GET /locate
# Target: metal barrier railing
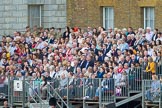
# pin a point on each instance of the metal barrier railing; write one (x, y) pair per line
(84, 89)
(3, 87)
(90, 87)
(17, 91)
(159, 69)
(122, 91)
(135, 79)
(34, 93)
(75, 88)
(57, 92)
(122, 86)
(107, 91)
(23, 91)
(152, 93)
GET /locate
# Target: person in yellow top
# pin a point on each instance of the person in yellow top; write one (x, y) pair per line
(8, 56)
(151, 67)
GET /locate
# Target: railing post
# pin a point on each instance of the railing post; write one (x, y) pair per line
(140, 76)
(68, 93)
(114, 92)
(39, 93)
(9, 92)
(161, 67)
(142, 71)
(128, 85)
(143, 94)
(84, 93)
(160, 97)
(11, 87)
(28, 95)
(23, 92)
(100, 94)
(47, 92)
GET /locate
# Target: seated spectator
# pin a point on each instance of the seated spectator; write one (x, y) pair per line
(101, 72)
(106, 84)
(43, 88)
(123, 79)
(120, 68)
(34, 86)
(62, 85)
(91, 84)
(153, 92)
(73, 54)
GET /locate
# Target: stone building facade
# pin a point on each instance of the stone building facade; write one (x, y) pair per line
(15, 15)
(135, 13)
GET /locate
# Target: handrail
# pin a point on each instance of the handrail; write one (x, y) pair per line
(59, 96)
(59, 105)
(57, 102)
(35, 93)
(128, 99)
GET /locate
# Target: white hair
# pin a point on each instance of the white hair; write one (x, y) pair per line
(69, 45)
(140, 29)
(149, 28)
(106, 59)
(132, 35)
(124, 29)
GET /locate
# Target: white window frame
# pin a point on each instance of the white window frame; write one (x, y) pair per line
(40, 14)
(109, 19)
(40, 8)
(149, 19)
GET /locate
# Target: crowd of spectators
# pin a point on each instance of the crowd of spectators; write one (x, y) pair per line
(49, 53)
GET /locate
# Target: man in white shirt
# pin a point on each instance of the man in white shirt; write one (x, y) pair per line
(63, 71)
(41, 44)
(28, 38)
(13, 48)
(149, 34)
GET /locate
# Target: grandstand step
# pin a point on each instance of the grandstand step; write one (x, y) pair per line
(92, 106)
(134, 91)
(31, 105)
(20, 104)
(92, 102)
(121, 97)
(37, 105)
(86, 106)
(152, 104)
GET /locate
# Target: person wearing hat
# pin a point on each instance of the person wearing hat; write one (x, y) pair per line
(52, 102)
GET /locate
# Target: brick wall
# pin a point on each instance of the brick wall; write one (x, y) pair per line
(83, 14)
(158, 15)
(122, 13)
(127, 12)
